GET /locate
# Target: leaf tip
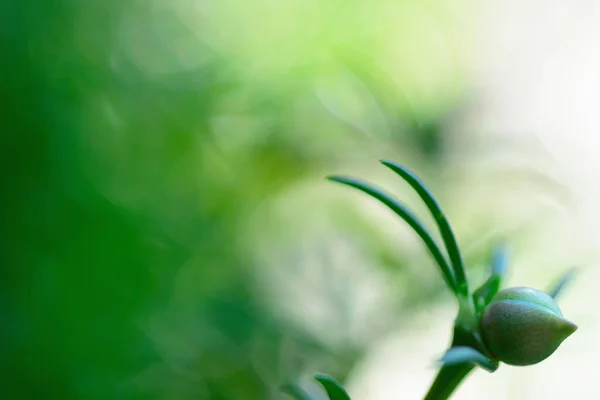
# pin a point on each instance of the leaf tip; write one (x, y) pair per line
(333, 388)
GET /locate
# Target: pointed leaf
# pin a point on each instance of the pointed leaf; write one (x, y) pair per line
(464, 354)
(563, 282)
(333, 388)
(295, 392)
(500, 260)
(407, 216)
(486, 292)
(440, 219)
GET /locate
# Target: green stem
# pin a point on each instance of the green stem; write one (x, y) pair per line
(450, 376)
(447, 380)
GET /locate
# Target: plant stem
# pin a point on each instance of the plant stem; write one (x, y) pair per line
(447, 380)
(449, 377)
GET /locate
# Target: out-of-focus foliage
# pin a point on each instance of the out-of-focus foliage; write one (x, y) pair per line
(167, 231)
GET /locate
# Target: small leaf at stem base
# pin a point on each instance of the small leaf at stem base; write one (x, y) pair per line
(464, 354)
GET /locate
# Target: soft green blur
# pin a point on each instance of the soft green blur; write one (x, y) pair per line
(167, 229)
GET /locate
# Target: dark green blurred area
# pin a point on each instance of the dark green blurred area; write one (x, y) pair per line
(149, 175)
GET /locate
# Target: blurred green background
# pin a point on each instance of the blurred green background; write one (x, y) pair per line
(167, 229)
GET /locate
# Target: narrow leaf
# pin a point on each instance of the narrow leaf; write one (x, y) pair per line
(407, 216)
(468, 355)
(500, 260)
(563, 282)
(333, 388)
(295, 392)
(485, 293)
(440, 219)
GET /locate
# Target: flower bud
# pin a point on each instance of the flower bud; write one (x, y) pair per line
(523, 326)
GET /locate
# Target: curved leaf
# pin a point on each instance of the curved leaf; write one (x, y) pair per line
(333, 388)
(468, 355)
(486, 292)
(407, 216)
(440, 219)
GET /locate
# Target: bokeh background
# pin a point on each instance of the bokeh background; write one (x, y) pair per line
(167, 232)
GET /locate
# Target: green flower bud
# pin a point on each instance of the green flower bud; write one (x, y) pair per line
(523, 326)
